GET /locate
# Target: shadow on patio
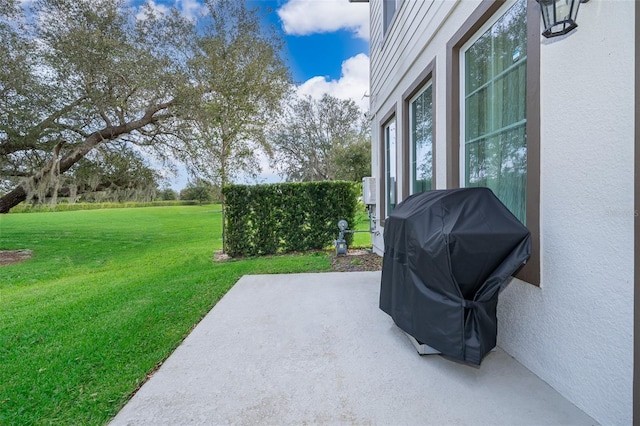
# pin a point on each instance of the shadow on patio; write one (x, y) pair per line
(315, 349)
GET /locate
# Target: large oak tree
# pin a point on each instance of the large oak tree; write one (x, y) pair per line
(82, 74)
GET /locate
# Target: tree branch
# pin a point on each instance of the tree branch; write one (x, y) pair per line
(9, 147)
(19, 194)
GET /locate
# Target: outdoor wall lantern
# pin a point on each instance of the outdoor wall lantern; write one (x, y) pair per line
(559, 16)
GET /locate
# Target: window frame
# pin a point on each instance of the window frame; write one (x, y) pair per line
(391, 164)
(484, 13)
(427, 76)
(382, 185)
(636, 256)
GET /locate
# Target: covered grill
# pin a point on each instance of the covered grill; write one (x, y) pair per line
(447, 253)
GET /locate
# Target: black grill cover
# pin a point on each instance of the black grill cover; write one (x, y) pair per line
(447, 253)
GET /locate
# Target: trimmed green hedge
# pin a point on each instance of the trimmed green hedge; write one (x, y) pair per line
(285, 217)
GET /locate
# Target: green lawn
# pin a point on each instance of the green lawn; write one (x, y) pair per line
(361, 238)
(107, 296)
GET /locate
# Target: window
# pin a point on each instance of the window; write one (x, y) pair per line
(387, 164)
(389, 8)
(390, 166)
(492, 133)
(421, 140)
(418, 133)
(493, 149)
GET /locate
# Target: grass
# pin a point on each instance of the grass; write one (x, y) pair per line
(361, 238)
(108, 295)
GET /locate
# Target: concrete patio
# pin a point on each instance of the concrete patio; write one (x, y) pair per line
(315, 349)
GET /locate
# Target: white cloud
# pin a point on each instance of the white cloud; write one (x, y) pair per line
(190, 9)
(352, 84)
(157, 10)
(303, 17)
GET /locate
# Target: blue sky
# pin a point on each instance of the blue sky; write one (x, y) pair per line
(322, 54)
(314, 53)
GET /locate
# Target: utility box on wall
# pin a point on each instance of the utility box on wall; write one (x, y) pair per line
(369, 191)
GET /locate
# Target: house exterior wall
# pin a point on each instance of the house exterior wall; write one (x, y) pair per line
(575, 330)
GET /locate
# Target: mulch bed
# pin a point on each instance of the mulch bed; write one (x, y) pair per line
(7, 257)
(355, 260)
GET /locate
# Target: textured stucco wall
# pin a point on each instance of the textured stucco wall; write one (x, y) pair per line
(576, 331)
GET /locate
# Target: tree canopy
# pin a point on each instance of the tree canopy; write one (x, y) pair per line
(322, 139)
(78, 75)
(249, 82)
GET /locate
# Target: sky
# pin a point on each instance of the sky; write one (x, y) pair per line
(326, 49)
(326, 44)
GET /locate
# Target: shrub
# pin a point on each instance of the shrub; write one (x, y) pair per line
(168, 194)
(202, 191)
(284, 217)
(63, 207)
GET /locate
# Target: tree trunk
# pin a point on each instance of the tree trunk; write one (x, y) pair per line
(12, 199)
